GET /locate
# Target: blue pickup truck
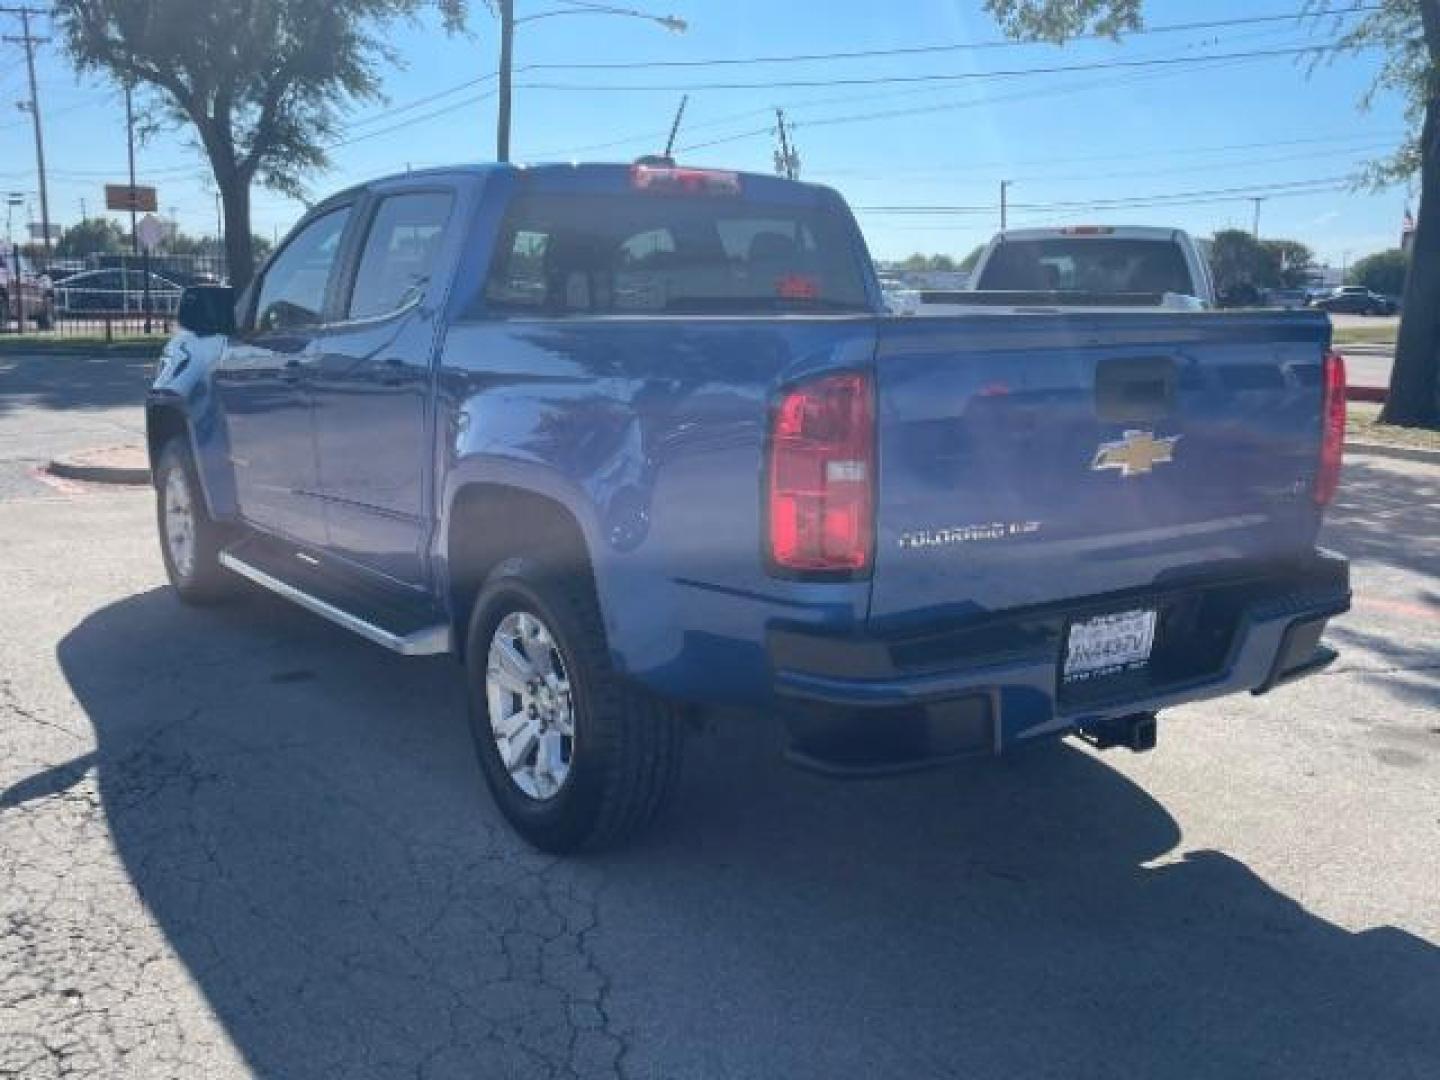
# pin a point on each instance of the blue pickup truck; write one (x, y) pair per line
(632, 441)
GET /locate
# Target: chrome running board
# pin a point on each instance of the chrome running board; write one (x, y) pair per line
(424, 641)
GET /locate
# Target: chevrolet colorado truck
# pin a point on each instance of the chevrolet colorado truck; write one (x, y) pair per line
(635, 440)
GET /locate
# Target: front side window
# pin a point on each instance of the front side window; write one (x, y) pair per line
(292, 296)
(643, 254)
(400, 253)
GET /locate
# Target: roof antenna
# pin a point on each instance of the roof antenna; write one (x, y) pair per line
(675, 127)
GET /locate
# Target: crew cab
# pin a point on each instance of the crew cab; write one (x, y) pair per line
(1090, 267)
(636, 441)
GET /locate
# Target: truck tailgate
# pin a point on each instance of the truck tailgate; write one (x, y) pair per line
(1025, 459)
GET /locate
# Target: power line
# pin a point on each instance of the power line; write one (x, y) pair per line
(923, 50)
(1243, 194)
(1168, 152)
(969, 103)
(948, 77)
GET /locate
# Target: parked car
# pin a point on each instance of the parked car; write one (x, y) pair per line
(1356, 300)
(29, 291)
(116, 292)
(1095, 268)
(633, 442)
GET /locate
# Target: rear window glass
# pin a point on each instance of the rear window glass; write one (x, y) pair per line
(602, 255)
(1087, 265)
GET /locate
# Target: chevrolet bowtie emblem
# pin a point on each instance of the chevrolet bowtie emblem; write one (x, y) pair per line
(1137, 453)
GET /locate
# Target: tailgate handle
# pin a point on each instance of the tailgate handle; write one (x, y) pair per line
(1135, 389)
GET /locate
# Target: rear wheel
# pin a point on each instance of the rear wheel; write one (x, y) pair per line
(575, 756)
(190, 542)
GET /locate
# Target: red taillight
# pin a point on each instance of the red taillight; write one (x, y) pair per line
(674, 180)
(1332, 436)
(822, 476)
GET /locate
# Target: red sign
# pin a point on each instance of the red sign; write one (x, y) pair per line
(142, 200)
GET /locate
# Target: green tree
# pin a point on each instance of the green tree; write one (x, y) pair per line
(927, 262)
(1384, 272)
(1408, 34)
(263, 83)
(1238, 261)
(93, 236)
(1293, 261)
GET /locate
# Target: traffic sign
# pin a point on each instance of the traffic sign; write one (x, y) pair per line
(124, 197)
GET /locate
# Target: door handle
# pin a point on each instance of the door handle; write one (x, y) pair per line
(293, 369)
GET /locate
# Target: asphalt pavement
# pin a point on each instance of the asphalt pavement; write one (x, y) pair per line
(240, 842)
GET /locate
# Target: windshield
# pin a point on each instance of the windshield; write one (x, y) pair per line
(596, 255)
(1074, 264)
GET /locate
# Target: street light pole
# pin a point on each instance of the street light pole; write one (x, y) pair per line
(508, 22)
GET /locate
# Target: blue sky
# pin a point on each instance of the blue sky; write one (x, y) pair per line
(1209, 132)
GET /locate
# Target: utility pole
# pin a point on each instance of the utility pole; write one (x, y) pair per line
(134, 227)
(30, 41)
(507, 48)
(1004, 204)
(787, 158)
(1255, 231)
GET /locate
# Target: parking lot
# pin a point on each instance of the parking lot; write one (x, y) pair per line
(240, 842)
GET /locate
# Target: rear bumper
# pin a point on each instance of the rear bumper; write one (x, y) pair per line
(857, 703)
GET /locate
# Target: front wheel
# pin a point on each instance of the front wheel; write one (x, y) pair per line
(190, 542)
(575, 756)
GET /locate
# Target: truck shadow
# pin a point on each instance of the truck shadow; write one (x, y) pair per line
(302, 815)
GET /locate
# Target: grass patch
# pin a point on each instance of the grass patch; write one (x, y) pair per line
(1364, 426)
(40, 344)
(1384, 334)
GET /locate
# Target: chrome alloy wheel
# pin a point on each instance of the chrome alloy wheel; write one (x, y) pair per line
(179, 523)
(532, 716)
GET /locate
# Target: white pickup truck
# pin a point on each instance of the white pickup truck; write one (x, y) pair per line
(1090, 268)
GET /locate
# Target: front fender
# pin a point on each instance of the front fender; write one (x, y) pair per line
(183, 392)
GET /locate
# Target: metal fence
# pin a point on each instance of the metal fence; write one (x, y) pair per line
(99, 296)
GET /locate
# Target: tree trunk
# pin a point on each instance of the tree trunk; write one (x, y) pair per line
(239, 241)
(1414, 398)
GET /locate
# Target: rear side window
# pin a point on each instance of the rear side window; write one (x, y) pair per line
(1088, 266)
(627, 254)
(400, 253)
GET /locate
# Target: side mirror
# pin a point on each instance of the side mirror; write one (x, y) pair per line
(207, 310)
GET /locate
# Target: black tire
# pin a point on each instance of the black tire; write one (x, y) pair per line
(627, 745)
(204, 581)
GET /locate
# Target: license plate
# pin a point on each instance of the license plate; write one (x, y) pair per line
(1109, 645)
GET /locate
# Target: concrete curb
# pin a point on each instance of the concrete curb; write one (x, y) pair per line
(111, 465)
(1399, 453)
